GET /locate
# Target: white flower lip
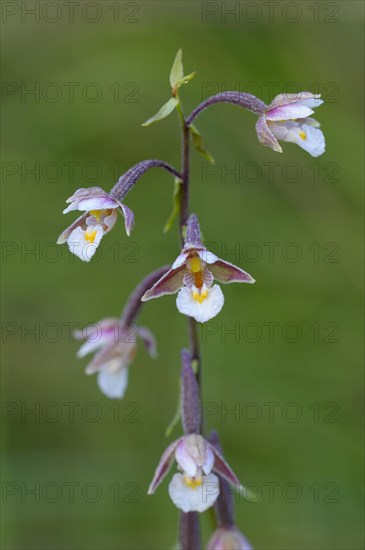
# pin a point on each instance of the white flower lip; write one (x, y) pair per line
(305, 135)
(112, 383)
(194, 498)
(84, 242)
(204, 311)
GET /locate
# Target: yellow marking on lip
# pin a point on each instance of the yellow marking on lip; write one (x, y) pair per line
(303, 135)
(90, 236)
(98, 213)
(192, 482)
(200, 296)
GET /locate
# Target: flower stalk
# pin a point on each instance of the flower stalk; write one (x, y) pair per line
(184, 215)
(247, 101)
(130, 178)
(189, 531)
(189, 523)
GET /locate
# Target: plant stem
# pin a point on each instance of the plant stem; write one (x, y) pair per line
(185, 171)
(189, 531)
(189, 523)
(184, 214)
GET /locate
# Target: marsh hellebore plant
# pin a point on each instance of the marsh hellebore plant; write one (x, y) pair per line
(204, 479)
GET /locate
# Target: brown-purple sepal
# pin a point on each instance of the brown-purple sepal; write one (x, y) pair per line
(164, 466)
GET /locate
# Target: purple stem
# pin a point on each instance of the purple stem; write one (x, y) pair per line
(191, 415)
(189, 531)
(224, 504)
(189, 523)
(185, 173)
(128, 180)
(134, 304)
(247, 101)
(184, 216)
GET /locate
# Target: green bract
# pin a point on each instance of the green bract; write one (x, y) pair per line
(199, 145)
(177, 79)
(176, 205)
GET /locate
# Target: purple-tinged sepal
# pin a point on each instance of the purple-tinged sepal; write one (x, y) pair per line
(149, 341)
(225, 273)
(227, 535)
(287, 118)
(222, 468)
(192, 275)
(128, 218)
(92, 198)
(163, 467)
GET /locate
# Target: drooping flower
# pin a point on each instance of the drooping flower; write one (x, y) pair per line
(192, 274)
(84, 234)
(115, 346)
(197, 487)
(287, 118)
(228, 538)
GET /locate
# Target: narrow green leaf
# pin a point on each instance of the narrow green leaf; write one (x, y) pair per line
(177, 71)
(176, 205)
(177, 415)
(199, 145)
(165, 111)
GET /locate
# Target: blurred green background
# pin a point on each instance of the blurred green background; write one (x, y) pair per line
(90, 469)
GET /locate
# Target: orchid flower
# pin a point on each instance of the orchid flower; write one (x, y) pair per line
(228, 537)
(287, 118)
(115, 347)
(196, 488)
(192, 274)
(84, 235)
